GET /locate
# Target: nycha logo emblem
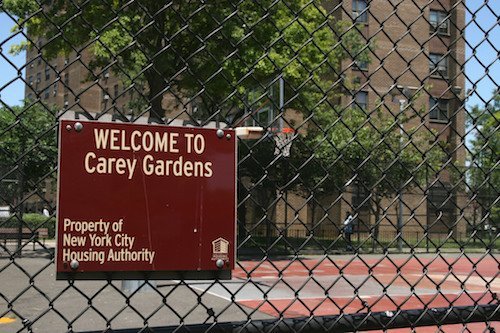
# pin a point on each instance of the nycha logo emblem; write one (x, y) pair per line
(220, 249)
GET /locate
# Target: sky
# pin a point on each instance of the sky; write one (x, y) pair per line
(482, 51)
(11, 86)
(482, 68)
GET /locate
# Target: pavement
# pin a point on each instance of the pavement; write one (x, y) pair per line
(315, 285)
(29, 291)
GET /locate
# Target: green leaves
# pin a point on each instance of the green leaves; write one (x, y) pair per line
(216, 51)
(21, 8)
(484, 170)
(372, 149)
(28, 139)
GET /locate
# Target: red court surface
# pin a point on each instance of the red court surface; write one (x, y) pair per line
(334, 285)
(435, 282)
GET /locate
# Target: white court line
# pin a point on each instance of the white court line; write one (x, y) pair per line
(274, 298)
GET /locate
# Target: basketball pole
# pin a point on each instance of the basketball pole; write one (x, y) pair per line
(281, 126)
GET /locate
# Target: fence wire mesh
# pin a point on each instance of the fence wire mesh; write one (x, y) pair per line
(371, 201)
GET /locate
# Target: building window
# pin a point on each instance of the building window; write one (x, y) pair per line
(54, 88)
(360, 197)
(361, 206)
(438, 65)
(30, 80)
(359, 12)
(46, 93)
(441, 207)
(47, 72)
(438, 109)
(39, 58)
(361, 100)
(30, 96)
(65, 99)
(38, 80)
(66, 82)
(439, 22)
(115, 91)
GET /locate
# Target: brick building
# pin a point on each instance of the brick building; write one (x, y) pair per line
(417, 48)
(416, 44)
(71, 83)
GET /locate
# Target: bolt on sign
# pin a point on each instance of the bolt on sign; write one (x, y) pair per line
(143, 201)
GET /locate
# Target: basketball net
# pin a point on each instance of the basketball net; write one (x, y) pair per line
(283, 140)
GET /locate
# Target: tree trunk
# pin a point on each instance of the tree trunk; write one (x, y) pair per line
(155, 76)
(155, 95)
(265, 197)
(20, 194)
(20, 208)
(376, 227)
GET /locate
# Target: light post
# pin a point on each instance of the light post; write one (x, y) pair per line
(408, 93)
(399, 225)
(456, 105)
(283, 137)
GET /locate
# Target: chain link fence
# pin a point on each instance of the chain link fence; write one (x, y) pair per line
(369, 202)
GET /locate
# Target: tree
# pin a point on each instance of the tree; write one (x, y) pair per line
(484, 160)
(28, 152)
(368, 149)
(28, 142)
(213, 52)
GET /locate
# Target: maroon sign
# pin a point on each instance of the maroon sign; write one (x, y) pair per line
(140, 200)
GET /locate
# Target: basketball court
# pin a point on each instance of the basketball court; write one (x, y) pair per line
(367, 283)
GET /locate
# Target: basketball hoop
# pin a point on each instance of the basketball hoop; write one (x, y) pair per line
(283, 140)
